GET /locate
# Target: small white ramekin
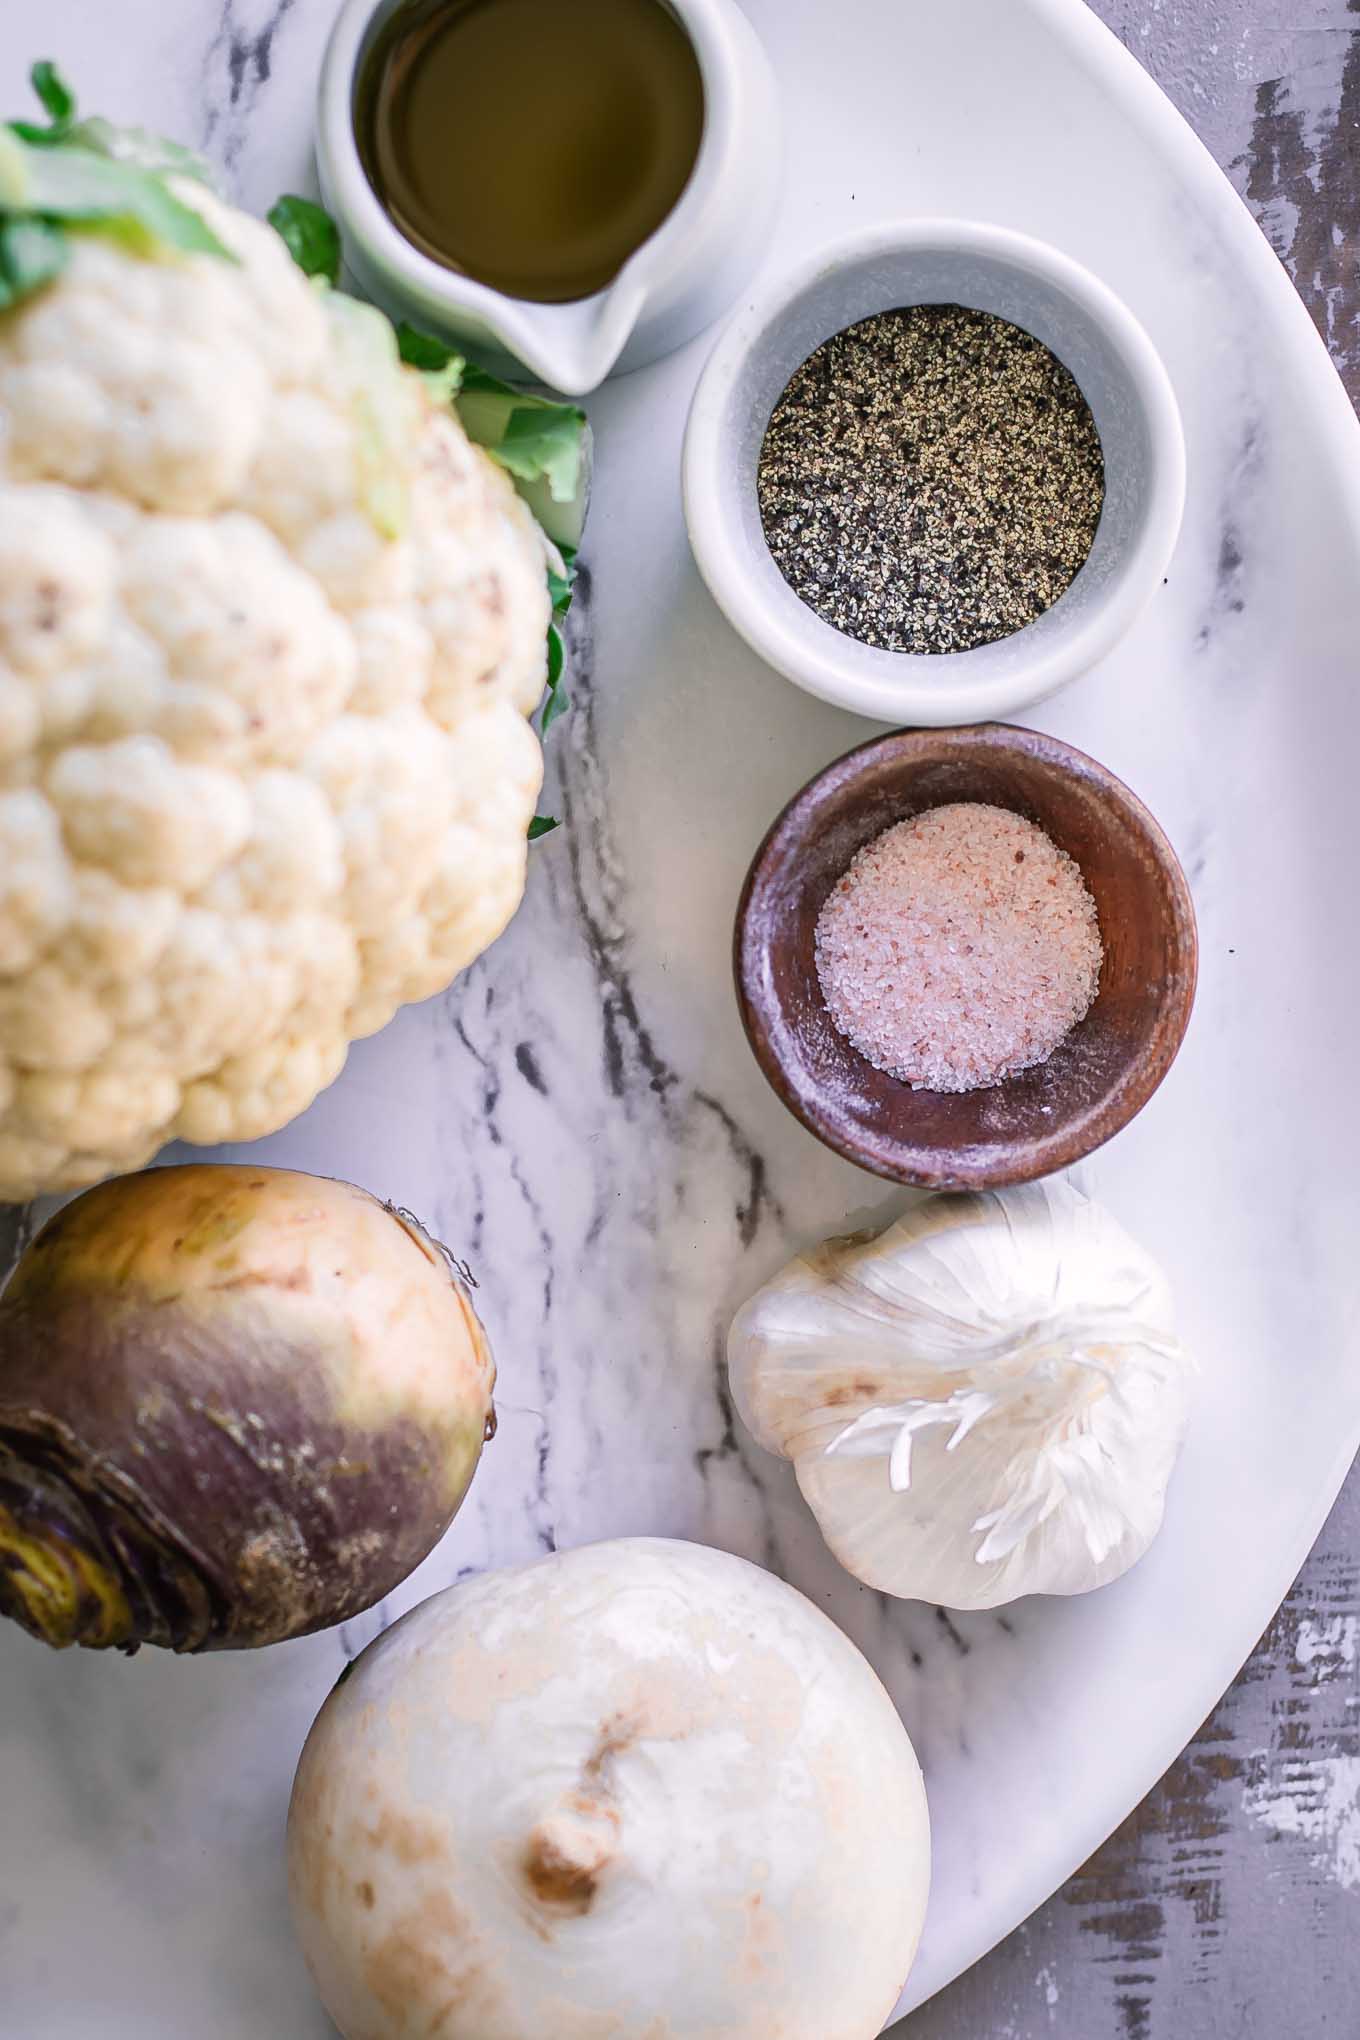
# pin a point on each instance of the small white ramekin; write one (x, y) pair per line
(990, 269)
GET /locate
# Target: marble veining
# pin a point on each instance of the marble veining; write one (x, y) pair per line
(579, 1115)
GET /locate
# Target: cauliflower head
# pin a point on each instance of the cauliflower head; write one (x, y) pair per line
(270, 632)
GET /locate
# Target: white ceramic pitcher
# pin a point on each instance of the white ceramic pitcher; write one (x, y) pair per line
(676, 283)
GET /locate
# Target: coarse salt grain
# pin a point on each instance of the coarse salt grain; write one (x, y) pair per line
(960, 947)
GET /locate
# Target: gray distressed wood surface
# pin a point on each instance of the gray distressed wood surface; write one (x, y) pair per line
(1229, 1902)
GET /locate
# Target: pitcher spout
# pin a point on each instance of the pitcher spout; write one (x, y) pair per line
(573, 347)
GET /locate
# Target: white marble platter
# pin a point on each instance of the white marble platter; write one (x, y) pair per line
(581, 1117)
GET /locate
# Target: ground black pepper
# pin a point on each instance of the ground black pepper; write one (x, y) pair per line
(930, 480)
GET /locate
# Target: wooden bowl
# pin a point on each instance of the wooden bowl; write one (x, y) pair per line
(1094, 1082)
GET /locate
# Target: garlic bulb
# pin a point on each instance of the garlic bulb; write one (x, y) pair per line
(984, 1401)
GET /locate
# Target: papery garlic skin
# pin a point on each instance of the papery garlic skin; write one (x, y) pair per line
(985, 1401)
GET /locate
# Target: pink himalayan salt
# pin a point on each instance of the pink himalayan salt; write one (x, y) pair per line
(959, 947)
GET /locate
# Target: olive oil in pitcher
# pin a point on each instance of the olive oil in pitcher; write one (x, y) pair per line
(531, 145)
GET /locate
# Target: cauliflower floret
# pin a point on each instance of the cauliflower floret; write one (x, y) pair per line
(265, 772)
(58, 573)
(235, 616)
(51, 1020)
(20, 721)
(37, 887)
(133, 809)
(116, 932)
